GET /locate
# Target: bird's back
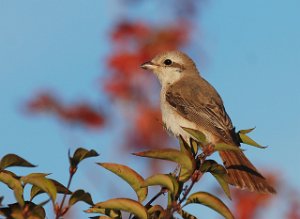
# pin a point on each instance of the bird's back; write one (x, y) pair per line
(197, 101)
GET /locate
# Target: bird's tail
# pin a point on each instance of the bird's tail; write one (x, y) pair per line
(243, 174)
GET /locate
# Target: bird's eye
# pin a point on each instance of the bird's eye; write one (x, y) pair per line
(167, 62)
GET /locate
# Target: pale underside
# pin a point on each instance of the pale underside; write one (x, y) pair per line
(174, 122)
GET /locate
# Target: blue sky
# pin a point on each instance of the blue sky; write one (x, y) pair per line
(252, 57)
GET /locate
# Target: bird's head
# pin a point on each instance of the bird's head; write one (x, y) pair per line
(170, 66)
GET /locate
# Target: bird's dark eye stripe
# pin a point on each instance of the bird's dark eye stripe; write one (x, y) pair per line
(167, 62)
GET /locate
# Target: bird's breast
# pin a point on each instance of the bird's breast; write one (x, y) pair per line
(174, 122)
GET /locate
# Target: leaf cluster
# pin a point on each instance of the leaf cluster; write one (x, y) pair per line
(192, 164)
(40, 183)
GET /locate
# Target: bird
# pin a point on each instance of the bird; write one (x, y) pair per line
(188, 100)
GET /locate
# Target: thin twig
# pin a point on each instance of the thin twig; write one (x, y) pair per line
(59, 211)
(187, 191)
(162, 191)
(195, 178)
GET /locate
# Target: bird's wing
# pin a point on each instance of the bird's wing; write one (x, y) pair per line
(196, 100)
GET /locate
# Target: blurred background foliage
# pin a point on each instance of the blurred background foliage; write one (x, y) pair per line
(78, 63)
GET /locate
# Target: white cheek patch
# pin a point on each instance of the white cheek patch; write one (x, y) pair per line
(179, 70)
(169, 76)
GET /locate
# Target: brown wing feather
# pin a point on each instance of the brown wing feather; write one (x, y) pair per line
(197, 101)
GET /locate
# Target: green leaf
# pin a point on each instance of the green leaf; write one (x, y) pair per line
(13, 211)
(223, 181)
(40, 180)
(124, 204)
(194, 146)
(44, 202)
(226, 147)
(245, 131)
(80, 195)
(163, 180)
(186, 215)
(35, 190)
(109, 212)
(176, 185)
(186, 162)
(247, 140)
(81, 154)
(184, 147)
(130, 176)
(213, 167)
(13, 183)
(156, 211)
(210, 201)
(17, 212)
(37, 212)
(10, 160)
(219, 172)
(101, 217)
(199, 136)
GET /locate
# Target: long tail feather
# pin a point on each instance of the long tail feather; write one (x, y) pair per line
(243, 174)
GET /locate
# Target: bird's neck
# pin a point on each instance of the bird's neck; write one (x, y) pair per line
(164, 88)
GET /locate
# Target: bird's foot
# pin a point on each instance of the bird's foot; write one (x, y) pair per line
(207, 150)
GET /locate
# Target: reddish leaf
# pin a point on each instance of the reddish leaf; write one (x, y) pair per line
(118, 88)
(294, 209)
(127, 63)
(248, 204)
(82, 113)
(44, 101)
(148, 129)
(130, 30)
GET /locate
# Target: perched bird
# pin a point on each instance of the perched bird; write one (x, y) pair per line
(188, 100)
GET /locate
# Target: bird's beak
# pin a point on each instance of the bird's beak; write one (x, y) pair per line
(148, 65)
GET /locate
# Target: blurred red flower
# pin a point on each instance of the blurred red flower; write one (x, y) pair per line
(148, 131)
(82, 113)
(247, 205)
